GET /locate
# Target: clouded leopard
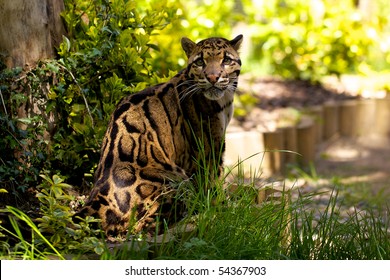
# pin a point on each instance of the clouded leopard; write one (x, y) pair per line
(153, 135)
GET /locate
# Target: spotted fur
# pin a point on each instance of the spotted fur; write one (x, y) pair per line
(153, 138)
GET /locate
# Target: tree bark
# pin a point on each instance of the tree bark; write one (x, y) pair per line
(29, 30)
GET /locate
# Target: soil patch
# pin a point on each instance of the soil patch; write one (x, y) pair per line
(363, 162)
(273, 93)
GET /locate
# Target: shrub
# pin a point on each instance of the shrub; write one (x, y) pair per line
(105, 56)
(310, 39)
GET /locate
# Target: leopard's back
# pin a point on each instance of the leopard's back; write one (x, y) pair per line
(153, 137)
(139, 157)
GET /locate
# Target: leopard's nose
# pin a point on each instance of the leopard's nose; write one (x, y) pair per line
(212, 78)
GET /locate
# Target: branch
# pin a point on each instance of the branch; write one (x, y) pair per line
(81, 91)
(2, 101)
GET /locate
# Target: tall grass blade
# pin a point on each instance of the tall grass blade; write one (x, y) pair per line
(23, 217)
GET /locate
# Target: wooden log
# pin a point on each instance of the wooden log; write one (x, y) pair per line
(331, 119)
(382, 127)
(244, 151)
(348, 118)
(274, 157)
(317, 114)
(290, 144)
(306, 141)
(366, 117)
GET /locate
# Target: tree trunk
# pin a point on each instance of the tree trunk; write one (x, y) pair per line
(29, 30)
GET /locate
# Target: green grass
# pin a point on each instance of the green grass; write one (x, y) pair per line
(26, 249)
(362, 235)
(242, 230)
(226, 224)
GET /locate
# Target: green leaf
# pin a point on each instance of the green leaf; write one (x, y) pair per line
(57, 179)
(53, 67)
(46, 178)
(154, 47)
(25, 120)
(65, 45)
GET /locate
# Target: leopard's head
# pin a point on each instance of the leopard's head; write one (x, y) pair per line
(213, 65)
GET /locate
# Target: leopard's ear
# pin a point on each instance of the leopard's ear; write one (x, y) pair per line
(188, 46)
(236, 42)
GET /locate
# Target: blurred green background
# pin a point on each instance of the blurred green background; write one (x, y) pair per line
(299, 39)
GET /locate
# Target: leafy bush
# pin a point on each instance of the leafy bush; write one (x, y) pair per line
(196, 20)
(310, 39)
(67, 101)
(111, 50)
(106, 57)
(56, 219)
(54, 233)
(294, 39)
(19, 166)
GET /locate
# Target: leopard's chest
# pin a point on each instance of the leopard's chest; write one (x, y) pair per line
(226, 113)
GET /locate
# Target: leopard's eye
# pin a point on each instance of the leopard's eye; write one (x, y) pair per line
(227, 60)
(199, 62)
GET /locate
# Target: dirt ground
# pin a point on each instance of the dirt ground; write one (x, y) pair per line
(364, 162)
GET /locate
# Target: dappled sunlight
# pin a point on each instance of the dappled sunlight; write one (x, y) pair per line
(344, 150)
(372, 178)
(357, 161)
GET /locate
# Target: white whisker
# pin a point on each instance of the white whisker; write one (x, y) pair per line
(188, 92)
